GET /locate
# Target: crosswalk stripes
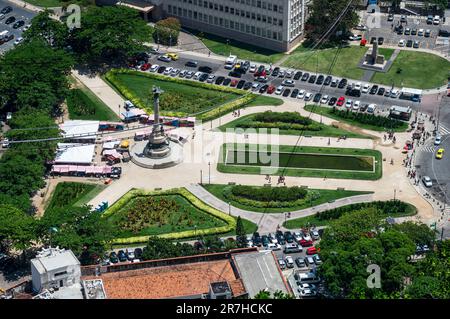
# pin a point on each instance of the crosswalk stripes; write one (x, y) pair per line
(443, 130)
(428, 149)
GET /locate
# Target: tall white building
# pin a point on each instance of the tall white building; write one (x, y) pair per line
(277, 25)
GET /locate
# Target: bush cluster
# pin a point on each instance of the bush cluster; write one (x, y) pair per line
(267, 194)
(284, 117)
(79, 103)
(388, 208)
(370, 119)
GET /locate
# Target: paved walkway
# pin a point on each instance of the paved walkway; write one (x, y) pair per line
(268, 222)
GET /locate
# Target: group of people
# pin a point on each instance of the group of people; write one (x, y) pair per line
(237, 113)
(390, 136)
(281, 179)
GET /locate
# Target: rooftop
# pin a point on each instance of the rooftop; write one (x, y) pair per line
(74, 153)
(80, 128)
(259, 271)
(170, 281)
(54, 259)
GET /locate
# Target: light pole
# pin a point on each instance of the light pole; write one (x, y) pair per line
(201, 177)
(209, 172)
(229, 208)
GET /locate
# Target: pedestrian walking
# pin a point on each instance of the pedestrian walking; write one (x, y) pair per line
(209, 53)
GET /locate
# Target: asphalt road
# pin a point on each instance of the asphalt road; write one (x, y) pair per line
(383, 103)
(20, 14)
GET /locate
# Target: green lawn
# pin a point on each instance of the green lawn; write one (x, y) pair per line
(243, 51)
(327, 111)
(177, 97)
(83, 104)
(262, 100)
(325, 196)
(361, 159)
(386, 52)
(304, 222)
(139, 216)
(46, 3)
(324, 131)
(320, 60)
(418, 70)
(73, 194)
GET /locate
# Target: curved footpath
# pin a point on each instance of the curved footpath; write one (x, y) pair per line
(270, 221)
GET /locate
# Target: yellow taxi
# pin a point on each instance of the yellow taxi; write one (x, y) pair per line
(440, 153)
(173, 56)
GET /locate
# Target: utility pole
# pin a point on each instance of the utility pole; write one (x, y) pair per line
(201, 177)
(209, 172)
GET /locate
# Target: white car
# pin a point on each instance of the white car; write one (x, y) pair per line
(175, 72)
(289, 74)
(420, 32)
(356, 105)
(289, 262)
(298, 236)
(301, 94)
(189, 74)
(357, 86)
(290, 83)
(279, 90)
(154, 67)
(307, 237)
(256, 86)
(394, 93)
(273, 239)
(401, 43)
(365, 88)
(361, 27)
(5, 143)
(306, 286)
(315, 234)
(182, 73)
(210, 78)
(164, 58)
(436, 20)
(308, 96)
(307, 293)
(427, 181)
(349, 104)
(282, 263)
(18, 40)
(197, 75)
(25, 28)
(437, 140)
(324, 99)
(252, 68)
(273, 246)
(168, 70)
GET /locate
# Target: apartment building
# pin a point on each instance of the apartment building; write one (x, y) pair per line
(277, 25)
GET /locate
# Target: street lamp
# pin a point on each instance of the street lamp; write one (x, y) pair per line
(209, 172)
(201, 177)
(229, 208)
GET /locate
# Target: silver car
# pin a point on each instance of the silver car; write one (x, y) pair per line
(427, 181)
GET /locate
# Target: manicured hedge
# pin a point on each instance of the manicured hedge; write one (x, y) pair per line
(207, 115)
(388, 208)
(270, 197)
(231, 222)
(366, 118)
(285, 117)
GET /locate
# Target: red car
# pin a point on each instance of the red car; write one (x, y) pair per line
(270, 89)
(145, 66)
(234, 83)
(312, 251)
(306, 243)
(340, 101)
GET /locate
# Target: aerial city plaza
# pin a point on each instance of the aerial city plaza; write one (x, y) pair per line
(239, 150)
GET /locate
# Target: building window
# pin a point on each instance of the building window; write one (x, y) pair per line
(275, 8)
(190, 14)
(275, 21)
(280, 9)
(179, 11)
(195, 15)
(216, 21)
(169, 8)
(226, 9)
(231, 24)
(232, 10)
(253, 29)
(269, 20)
(221, 8)
(205, 4)
(216, 6)
(253, 16)
(258, 31)
(242, 27)
(227, 25)
(221, 22)
(210, 18)
(264, 5)
(247, 28)
(264, 19)
(258, 4)
(258, 17)
(280, 22)
(269, 6)
(60, 273)
(210, 5)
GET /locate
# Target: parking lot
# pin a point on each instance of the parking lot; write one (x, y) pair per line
(20, 14)
(392, 38)
(217, 68)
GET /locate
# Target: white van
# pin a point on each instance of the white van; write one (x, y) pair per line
(436, 20)
(308, 277)
(292, 248)
(230, 62)
(371, 108)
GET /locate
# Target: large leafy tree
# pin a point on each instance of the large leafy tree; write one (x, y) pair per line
(43, 27)
(109, 34)
(34, 75)
(240, 233)
(17, 229)
(167, 31)
(77, 228)
(322, 15)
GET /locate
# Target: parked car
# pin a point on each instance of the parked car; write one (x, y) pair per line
(317, 97)
(305, 76)
(6, 10)
(279, 90)
(265, 240)
(374, 89)
(317, 260)
(280, 238)
(328, 80)
(320, 79)
(315, 234)
(272, 238)
(18, 24)
(300, 262)
(356, 105)
(289, 262)
(381, 91)
(219, 80)
(252, 68)
(247, 85)
(289, 83)
(130, 255)
(122, 256)
(286, 92)
(340, 101)
(437, 140)
(10, 20)
(349, 104)
(312, 79)
(270, 89)
(309, 261)
(282, 264)
(164, 58)
(210, 78)
(113, 258)
(173, 56)
(401, 43)
(332, 101)
(311, 251)
(427, 33)
(227, 81)
(205, 69)
(294, 93)
(191, 64)
(380, 40)
(257, 239)
(308, 96)
(161, 69)
(365, 88)
(416, 44)
(138, 253)
(298, 75)
(306, 243)
(271, 246)
(301, 94)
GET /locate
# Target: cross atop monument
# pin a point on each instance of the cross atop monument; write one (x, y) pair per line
(156, 92)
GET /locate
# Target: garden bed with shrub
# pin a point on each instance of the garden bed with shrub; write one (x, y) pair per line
(392, 208)
(275, 199)
(171, 214)
(363, 120)
(182, 97)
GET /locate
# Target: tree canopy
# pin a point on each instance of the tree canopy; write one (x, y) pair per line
(109, 34)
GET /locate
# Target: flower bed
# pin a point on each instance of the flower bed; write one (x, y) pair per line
(133, 194)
